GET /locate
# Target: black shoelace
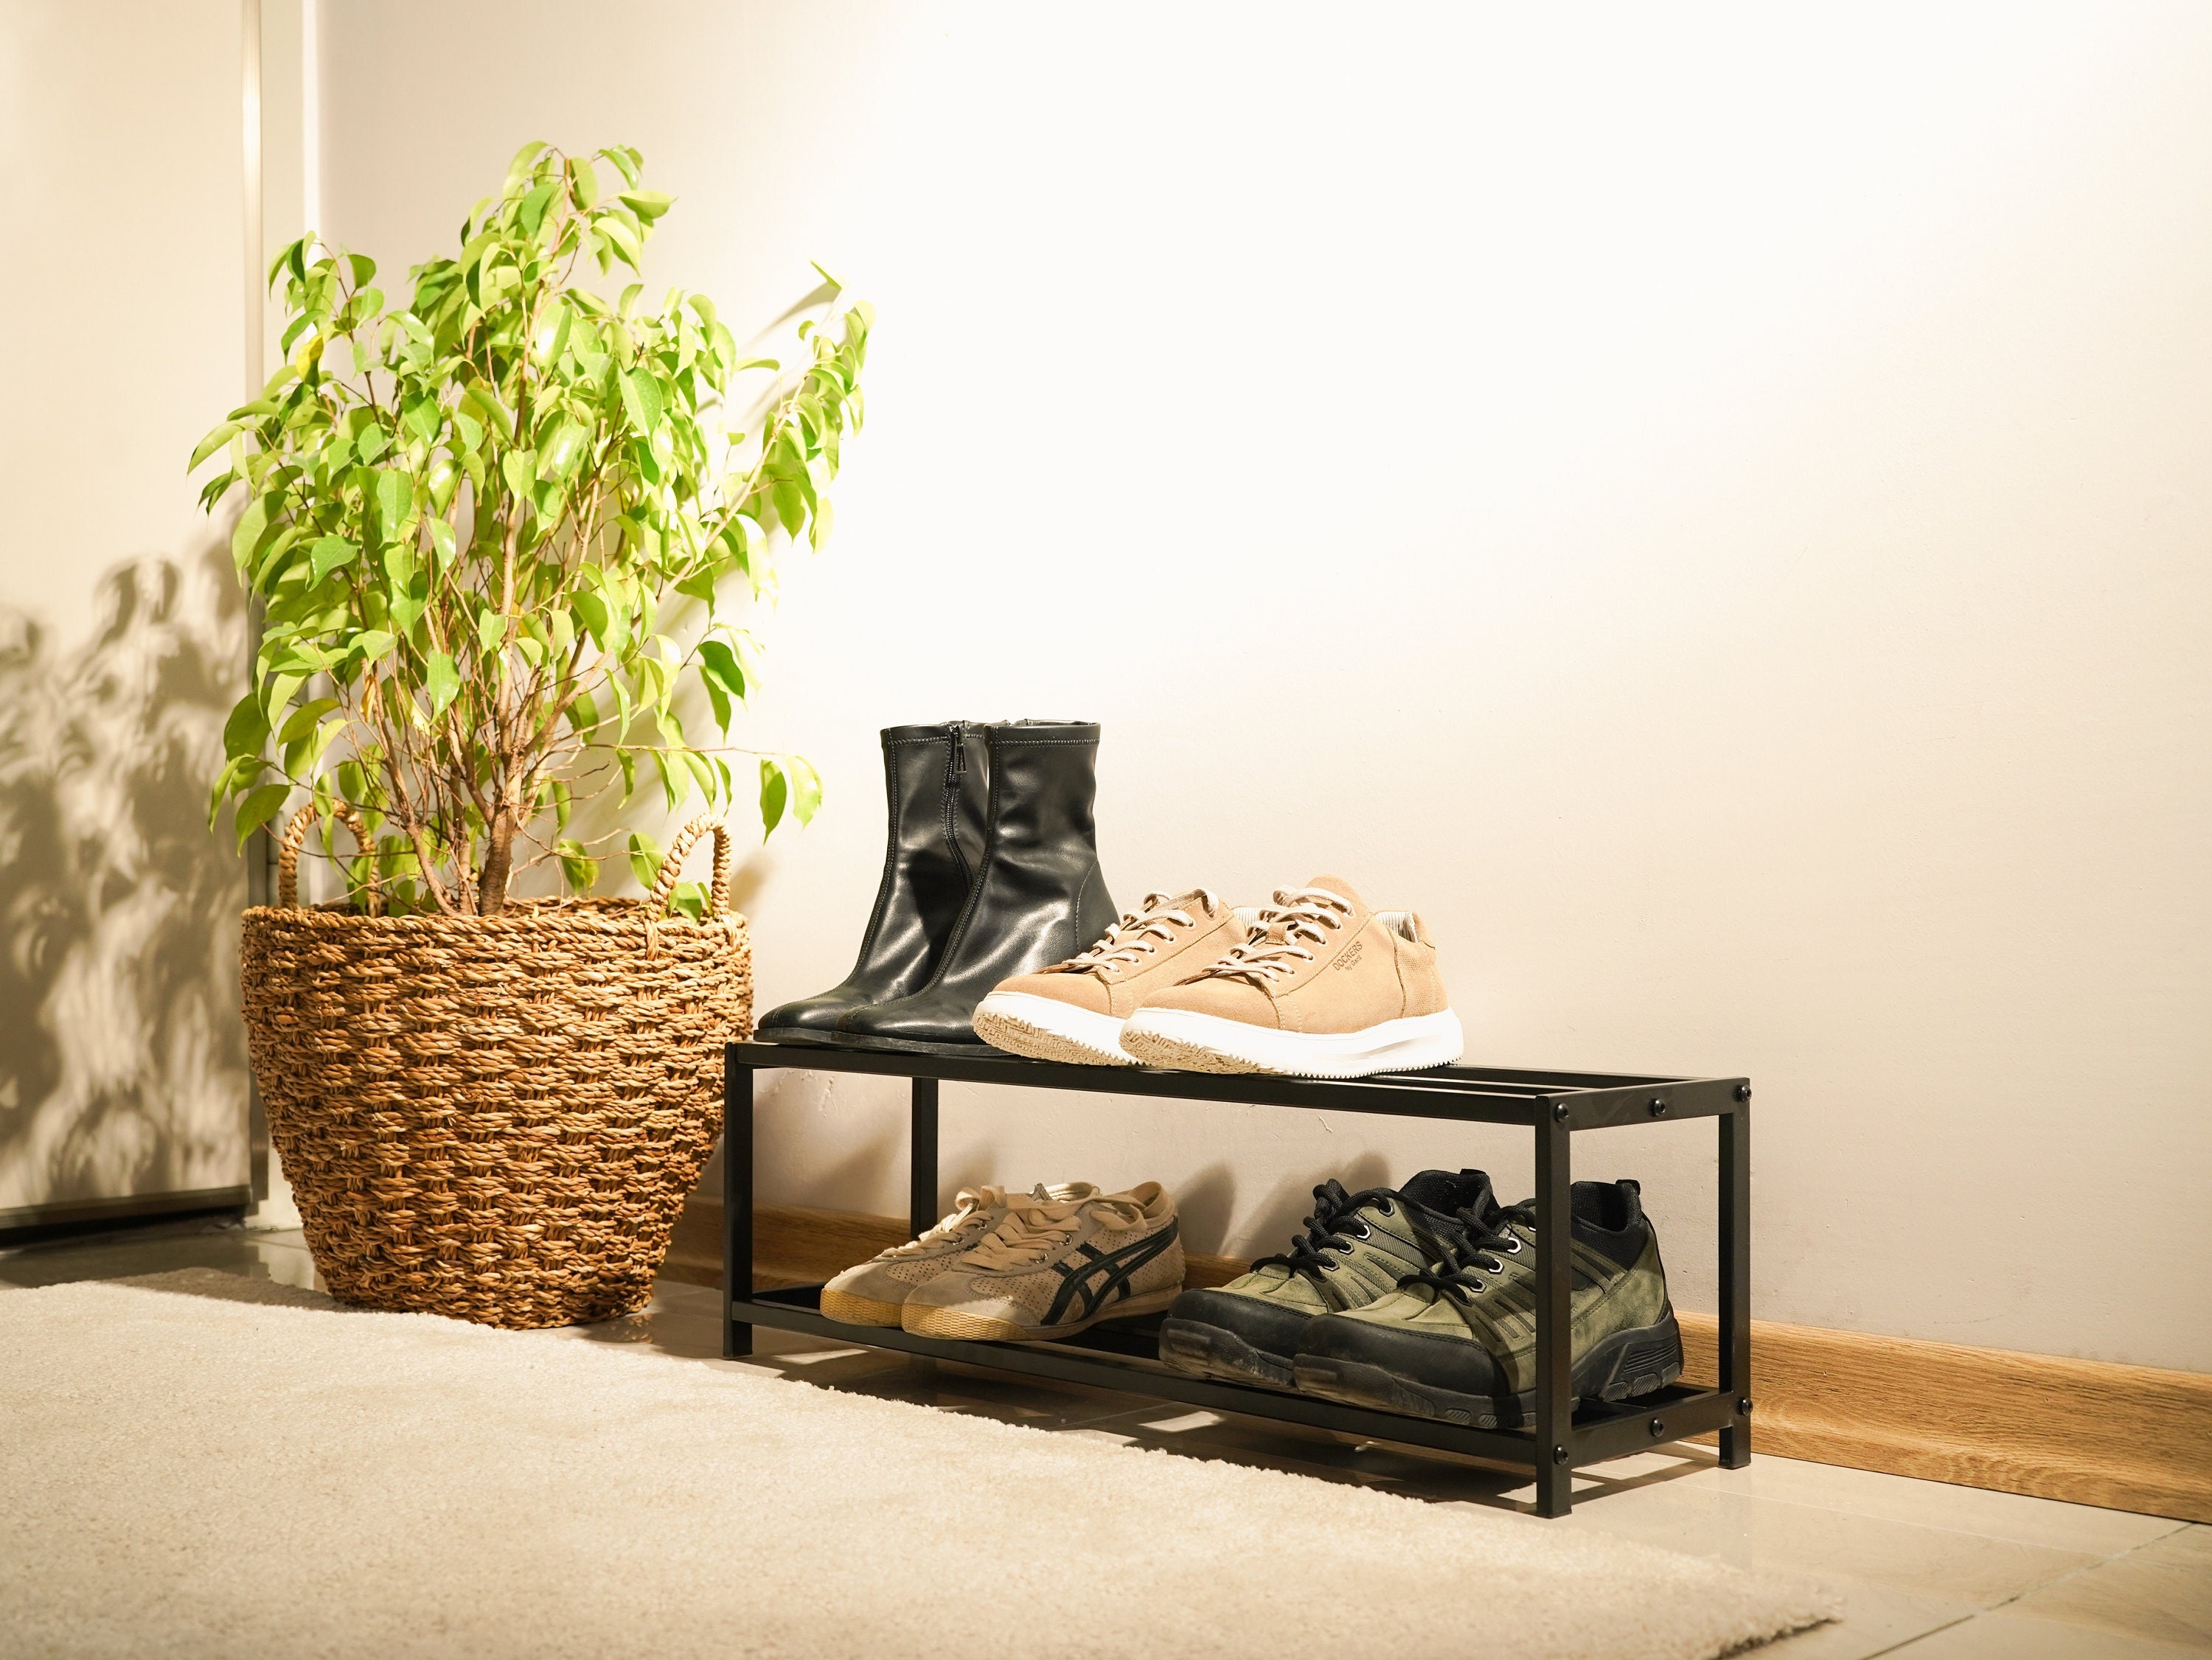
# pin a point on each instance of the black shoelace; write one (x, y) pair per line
(1331, 1227)
(1477, 1249)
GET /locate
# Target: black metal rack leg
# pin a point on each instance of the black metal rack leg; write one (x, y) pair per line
(1554, 1319)
(736, 1207)
(1734, 1357)
(921, 1211)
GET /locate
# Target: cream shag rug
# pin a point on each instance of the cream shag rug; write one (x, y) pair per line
(186, 1474)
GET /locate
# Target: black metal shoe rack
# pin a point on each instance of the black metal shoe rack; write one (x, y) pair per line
(1120, 1354)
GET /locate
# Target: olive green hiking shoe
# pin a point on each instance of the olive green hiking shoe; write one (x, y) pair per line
(1459, 1342)
(1356, 1247)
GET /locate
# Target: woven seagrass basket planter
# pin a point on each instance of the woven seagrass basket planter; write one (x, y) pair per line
(494, 1118)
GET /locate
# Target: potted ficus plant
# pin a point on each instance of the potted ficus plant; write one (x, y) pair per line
(494, 529)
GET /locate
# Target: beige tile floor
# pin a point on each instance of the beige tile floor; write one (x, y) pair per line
(1928, 1571)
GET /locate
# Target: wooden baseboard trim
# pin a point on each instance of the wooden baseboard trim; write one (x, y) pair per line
(27, 1224)
(2125, 1438)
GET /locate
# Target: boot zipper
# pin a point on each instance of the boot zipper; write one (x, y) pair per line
(955, 762)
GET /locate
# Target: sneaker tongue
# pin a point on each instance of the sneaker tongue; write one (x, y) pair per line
(1195, 902)
(1343, 889)
(1449, 1192)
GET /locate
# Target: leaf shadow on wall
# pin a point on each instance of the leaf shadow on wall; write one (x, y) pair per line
(123, 1064)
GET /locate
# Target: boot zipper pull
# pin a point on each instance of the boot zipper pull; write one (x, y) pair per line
(955, 762)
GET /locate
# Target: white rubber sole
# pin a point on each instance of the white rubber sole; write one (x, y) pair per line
(1044, 1029)
(1192, 1042)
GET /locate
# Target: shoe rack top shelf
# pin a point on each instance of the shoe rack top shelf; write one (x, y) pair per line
(1472, 1094)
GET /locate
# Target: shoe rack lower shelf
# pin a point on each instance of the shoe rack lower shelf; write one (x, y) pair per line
(1122, 1355)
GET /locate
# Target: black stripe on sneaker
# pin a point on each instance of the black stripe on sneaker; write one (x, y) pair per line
(1117, 1266)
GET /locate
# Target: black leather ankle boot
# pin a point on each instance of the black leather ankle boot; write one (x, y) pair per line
(1040, 898)
(936, 781)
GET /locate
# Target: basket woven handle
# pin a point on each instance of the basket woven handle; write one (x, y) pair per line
(287, 854)
(664, 885)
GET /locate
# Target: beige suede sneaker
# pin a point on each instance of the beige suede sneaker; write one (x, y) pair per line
(1325, 989)
(1072, 1011)
(874, 1293)
(1053, 1270)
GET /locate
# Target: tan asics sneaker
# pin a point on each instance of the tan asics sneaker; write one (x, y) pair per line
(1072, 1011)
(1325, 989)
(873, 1294)
(1053, 1270)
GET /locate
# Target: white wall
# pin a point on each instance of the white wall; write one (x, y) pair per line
(1711, 508)
(122, 636)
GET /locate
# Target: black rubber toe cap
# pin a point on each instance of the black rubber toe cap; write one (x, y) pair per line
(1272, 1327)
(1436, 1359)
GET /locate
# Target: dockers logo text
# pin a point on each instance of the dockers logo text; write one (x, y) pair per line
(1351, 956)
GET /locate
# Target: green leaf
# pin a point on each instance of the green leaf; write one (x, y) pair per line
(703, 771)
(773, 791)
(247, 730)
(641, 397)
(807, 788)
(562, 451)
(424, 418)
(583, 182)
(327, 554)
(675, 780)
(371, 644)
(717, 701)
(441, 681)
(591, 612)
(649, 205)
(491, 631)
(564, 803)
(721, 665)
(395, 500)
(258, 806)
(237, 772)
(790, 505)
(724, 680)
(578, 868)
(213, 441)
(304, 752)
(303, 719)
(689, 897)
(276, 692)
(246, 535)
(518, 169)
(645, 860)
(531, 213)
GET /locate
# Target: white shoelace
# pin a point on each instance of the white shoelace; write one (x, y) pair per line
(1030, 1235)
(1128, 939)
(1273, 951)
